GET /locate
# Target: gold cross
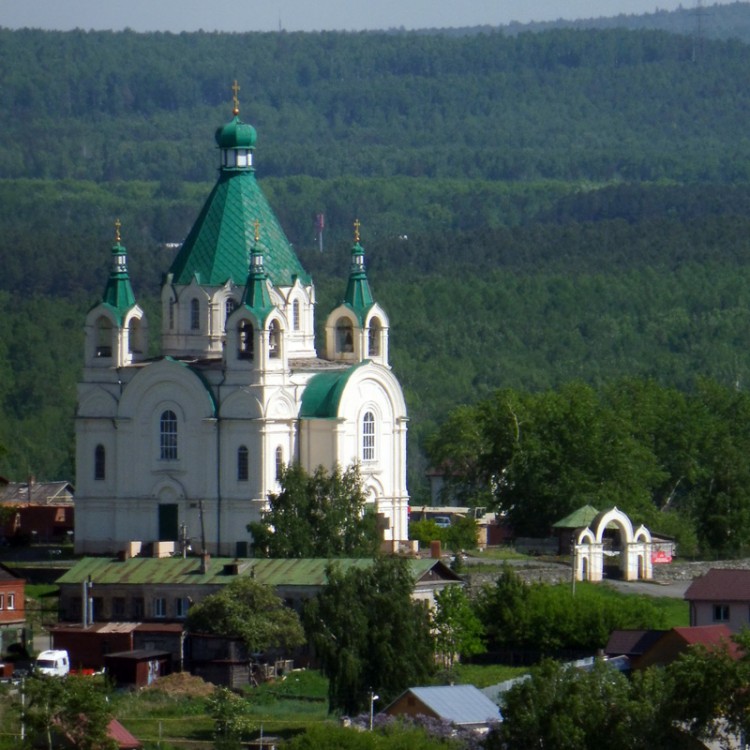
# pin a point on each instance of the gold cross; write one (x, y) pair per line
(117, 230)
(236, 88)
(356, 230)
(257, 231)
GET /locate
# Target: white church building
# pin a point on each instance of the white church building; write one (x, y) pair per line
(191, 442)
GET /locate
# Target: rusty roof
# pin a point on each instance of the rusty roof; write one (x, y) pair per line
(720, 585)
(177, 571)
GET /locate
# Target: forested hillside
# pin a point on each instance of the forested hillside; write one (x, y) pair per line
(535, 208)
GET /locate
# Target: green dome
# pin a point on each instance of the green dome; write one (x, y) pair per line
(236, 134)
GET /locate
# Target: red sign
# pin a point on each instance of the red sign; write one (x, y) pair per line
(660, 557)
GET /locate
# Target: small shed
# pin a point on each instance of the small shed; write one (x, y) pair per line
(137, 668)
(462, 705)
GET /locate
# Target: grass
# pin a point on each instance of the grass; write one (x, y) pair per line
(484, 675)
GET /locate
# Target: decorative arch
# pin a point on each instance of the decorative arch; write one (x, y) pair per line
(635, 548)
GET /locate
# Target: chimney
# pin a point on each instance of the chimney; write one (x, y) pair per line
(205, 560)
(435, 549)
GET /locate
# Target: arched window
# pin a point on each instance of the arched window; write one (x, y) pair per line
(274, 340)
(231, 306)
(246, 349)
(295, 314)
(134, 336)
(368, 437)
(100, 462)
(279, 462)
(243, 471)
(171, 314)
(373, 338)
(168, 436)
(103, 338)
(195, 315)
(344, 335)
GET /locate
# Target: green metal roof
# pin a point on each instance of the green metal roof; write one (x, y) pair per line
(219, 244)
(322, 394)
(256, 297)
(221, 570)
(236, 134)
(118, 294)
(578, 519)
(358, 295)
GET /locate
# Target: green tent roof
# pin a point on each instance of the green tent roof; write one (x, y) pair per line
(219, 244)
(118, 294)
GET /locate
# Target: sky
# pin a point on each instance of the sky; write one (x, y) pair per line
(308, 15)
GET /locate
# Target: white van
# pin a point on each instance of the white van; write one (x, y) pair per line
(55, 662)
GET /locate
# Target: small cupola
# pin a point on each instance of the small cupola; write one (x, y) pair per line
(116, 330)
(358, 328)
(236, 139)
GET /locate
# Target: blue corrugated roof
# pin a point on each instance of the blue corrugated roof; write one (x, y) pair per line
(459, 704)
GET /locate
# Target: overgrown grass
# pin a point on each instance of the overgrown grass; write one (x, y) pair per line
(484, 675)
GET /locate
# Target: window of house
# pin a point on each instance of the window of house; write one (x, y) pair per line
(99, 462)
(279, 462)
(195, 315)
(97, 607)
(181, 606)
(274, 340)
(138, 607)
(2, 601)
(242, 464)
(11, 601)
(368, 437)
(118, 607)
(721, 613)
(344, 335)
(168, 436)
(295, 314)
(160, 606)
(246, 340)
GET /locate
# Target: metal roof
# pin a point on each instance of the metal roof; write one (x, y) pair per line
(222, 570)
(459, 704)
(218, 246)
(322, 395)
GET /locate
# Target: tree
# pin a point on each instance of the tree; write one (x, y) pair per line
(231, 721)
(317, 515)
(251, 611)
(563, 707)
(458, 631)
(370, 634)
(74, 705)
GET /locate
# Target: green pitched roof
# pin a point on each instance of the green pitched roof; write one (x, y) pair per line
(219, 244)
(256, 295)
(221, 570)
(118, 294)
(578, 519)
(322, 394)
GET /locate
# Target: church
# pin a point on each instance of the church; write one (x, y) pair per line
(189, 444)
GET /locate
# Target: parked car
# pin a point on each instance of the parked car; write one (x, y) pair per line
(442, 522)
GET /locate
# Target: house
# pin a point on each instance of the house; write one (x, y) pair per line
(36, 511)
(721, 596)
(632, 644)
(462, 705)
(676, 641)
(238, 389)
(148, 589)
(12, 598)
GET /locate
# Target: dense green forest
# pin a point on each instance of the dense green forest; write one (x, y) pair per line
(537, 207)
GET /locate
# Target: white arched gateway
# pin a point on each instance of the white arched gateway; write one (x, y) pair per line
(635, 548)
